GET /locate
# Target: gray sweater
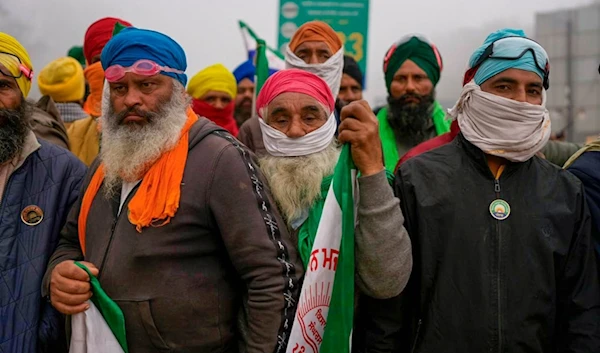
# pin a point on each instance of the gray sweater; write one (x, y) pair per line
(383, 248)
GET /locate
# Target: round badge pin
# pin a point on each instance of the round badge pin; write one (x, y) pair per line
(32, 215)
(500, 209)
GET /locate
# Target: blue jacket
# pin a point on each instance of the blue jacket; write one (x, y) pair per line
(587, 169)
(49, 178)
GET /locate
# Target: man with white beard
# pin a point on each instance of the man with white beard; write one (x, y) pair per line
(315, 48)
(176, 221)
(296, 118)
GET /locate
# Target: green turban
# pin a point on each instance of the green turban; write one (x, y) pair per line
(418, 50)
(76, 52)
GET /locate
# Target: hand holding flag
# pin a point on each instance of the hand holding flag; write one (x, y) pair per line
(325, 314)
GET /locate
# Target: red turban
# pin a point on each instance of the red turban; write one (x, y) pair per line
(98, 34)
(295, 81)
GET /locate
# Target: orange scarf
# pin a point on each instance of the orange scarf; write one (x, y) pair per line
(94, 74)
(157, 198)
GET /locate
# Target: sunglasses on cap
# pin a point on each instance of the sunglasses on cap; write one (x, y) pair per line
(11, 66)
(405, 39)
(541, 61)
(141, 67)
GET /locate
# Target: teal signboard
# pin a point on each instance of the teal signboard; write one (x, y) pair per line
(350, 19)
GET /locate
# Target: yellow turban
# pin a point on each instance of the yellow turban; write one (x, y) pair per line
(10, 45)
(213, 78)
(63, 80)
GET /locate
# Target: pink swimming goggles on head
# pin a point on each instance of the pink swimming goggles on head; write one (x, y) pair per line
(141, 67)
(13, 67)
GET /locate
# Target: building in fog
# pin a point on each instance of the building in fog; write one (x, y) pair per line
(572, 39)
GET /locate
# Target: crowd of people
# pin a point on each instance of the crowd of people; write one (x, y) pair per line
(195, 204)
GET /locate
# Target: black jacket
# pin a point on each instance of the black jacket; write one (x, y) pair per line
(528, 283)
(587, 169)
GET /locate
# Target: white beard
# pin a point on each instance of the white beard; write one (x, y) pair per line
(295, 182)
(129, 151)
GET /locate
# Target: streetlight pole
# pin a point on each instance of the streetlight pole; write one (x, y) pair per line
(569, 78)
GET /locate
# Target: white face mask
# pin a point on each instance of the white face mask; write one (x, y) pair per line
(502, 127)
(279, 144)
(331, 70)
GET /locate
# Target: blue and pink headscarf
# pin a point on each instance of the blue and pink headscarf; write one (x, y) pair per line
(133, 44)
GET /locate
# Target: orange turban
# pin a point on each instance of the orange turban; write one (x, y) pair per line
(316, 31)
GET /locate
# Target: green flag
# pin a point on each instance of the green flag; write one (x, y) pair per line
(101, 328)
(325, 314)
(262, 65)
(118, 28)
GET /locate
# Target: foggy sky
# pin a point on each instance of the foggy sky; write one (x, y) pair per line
(208, 30)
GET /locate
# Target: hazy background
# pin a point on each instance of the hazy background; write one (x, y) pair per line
(209, 33)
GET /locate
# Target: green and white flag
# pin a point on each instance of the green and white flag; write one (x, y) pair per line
(262, 65)
(324, 318)
(266, 59)
(274, 57)
(101, 328)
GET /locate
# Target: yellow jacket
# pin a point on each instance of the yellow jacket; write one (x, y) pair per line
(84, 139)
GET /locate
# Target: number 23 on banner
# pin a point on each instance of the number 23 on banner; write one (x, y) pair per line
(357, 47)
